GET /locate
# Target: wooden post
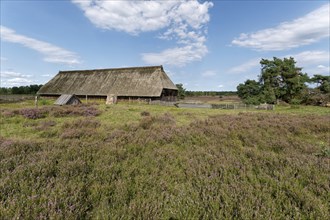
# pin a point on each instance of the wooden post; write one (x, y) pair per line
(36, 101)
(86, 99)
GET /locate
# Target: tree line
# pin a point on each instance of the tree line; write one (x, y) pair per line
(282, 80)
(210, 93)
(182, 92)
(31, 89)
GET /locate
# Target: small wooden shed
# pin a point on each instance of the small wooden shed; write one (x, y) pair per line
(67, 99)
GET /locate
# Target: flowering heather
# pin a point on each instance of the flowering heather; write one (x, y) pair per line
(80, 128)
(33, 113)
(75, 110)
(171, 164)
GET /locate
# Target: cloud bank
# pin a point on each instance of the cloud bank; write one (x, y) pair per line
(302, 31)
(312, 62)
(182, 21)
(314, 57)
(12, 78)
(51, 53)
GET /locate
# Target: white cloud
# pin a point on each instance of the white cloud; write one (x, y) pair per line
(52, 53)
(302, 31)
(209, 73)
(46, 75)
(182, 21)
(245, 67)
(323, 69)
(12, 78)
(315, 57)
(129, 16)
(312, 62)
(178, 56)
(140, 16)
(220, 86)
(19, 80)
(11, 74)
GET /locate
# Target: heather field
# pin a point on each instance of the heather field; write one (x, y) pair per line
(139, 161)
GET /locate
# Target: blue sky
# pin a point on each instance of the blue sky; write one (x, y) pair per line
(205, 45)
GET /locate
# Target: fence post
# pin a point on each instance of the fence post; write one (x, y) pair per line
(36, 101)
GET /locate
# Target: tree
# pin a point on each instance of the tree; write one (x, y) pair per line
(181, 91)
(5, 91)
(282, 79)
(250, 92)
(31, 89)
(320, 95)
(323, 83)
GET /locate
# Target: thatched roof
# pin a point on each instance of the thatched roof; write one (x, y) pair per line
(132, 81)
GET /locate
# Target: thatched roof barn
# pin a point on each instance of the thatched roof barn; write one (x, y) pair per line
(133, 82)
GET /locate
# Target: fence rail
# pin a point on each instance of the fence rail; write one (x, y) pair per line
(164, 103)
(243, 106)
(225, 106)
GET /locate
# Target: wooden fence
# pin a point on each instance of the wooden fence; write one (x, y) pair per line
(220, 106)
(243, 106)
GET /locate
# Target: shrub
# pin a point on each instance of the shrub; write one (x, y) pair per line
(45, 102)
(77, 110)
(77, 133)
(80, 129)
(90, 111)
(145, 113)
(82, 123)
(46, 124)
(146, 122)
(30, 124)
(295, 101)
(8, 113)
(33, 113)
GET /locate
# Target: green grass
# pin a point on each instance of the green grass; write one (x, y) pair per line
(303, 110)
(168, 163)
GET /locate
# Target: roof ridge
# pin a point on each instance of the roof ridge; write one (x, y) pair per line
(119, 68)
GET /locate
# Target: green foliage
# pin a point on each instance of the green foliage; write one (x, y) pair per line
(280, 79)
(323, 83)
(31, 89)
(325, 150)
(250, 92)
(5, 91)
(320, 95)
(45, 101)
(283, 78)
(181, 91)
